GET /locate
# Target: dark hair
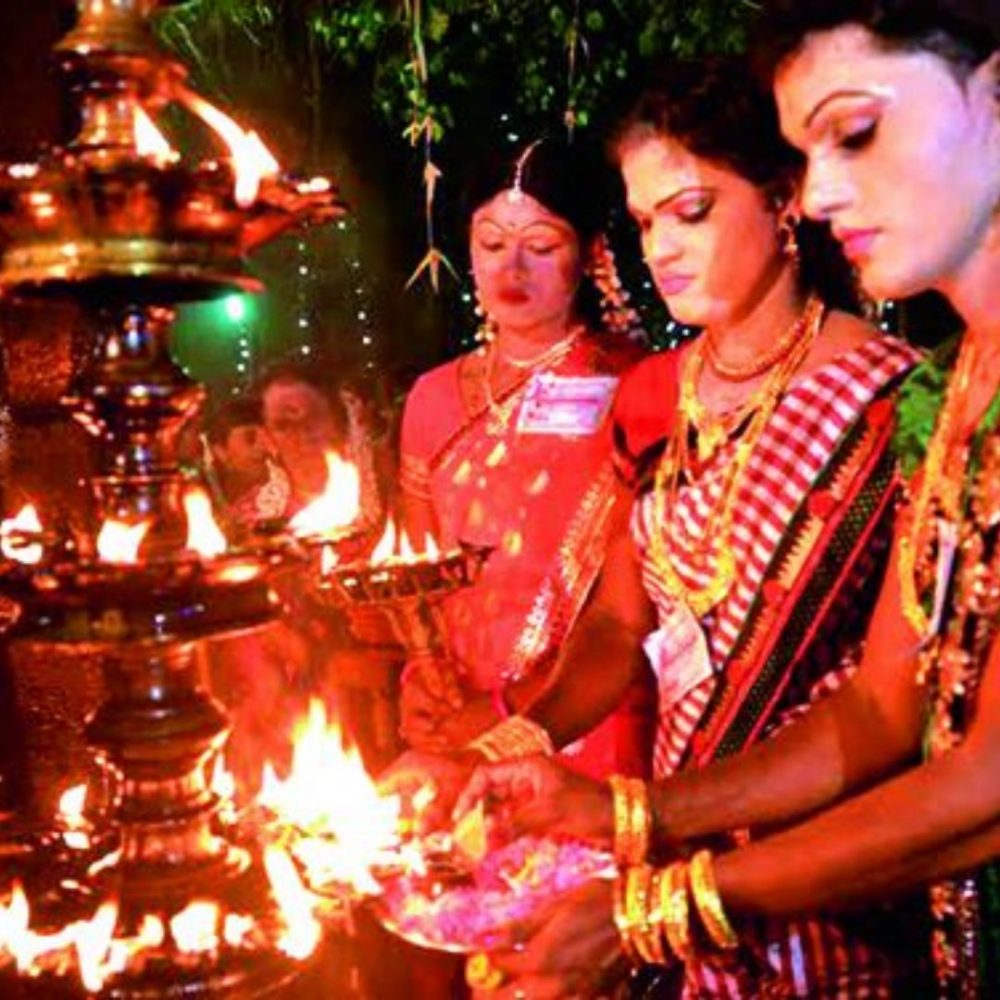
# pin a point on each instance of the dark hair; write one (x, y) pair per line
(964, 33)
(571, 179)
(241, 412)
(719, 111)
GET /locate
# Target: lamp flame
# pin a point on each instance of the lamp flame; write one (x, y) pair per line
(252, 160)
(337, 507)
(150, 141)
(347, 826)
(302, 929)
(204, 535)
(12, 541)
(395, 547)
(118, 541)
(196, 928)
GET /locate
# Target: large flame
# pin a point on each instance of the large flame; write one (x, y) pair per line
(252, 160)
(13, 544)
(204, 535)
(337, 507)
(150, 141)
(118, 542)
(346, 826)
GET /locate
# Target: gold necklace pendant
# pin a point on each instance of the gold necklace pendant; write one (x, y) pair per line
(717, 536)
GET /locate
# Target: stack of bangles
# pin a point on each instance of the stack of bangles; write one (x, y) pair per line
(653, 906)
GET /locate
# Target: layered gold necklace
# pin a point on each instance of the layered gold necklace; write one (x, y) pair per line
(940, 494)
(710, 432)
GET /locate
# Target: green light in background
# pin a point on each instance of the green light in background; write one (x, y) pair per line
(236, 307)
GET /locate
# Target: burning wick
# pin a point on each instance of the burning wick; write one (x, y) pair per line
(204, 535)
(13, 542)
(252, 160)
(395, 547)
(150, 141)
(118, 542)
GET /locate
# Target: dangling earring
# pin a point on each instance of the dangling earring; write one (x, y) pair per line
(486, 332)
(788, 235)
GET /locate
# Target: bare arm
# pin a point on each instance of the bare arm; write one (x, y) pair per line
(603, 655)
(867, 729)
(934, 820)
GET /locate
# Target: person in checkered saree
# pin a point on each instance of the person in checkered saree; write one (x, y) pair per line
(896, 106)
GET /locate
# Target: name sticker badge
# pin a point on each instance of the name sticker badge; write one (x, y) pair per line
(566, 405)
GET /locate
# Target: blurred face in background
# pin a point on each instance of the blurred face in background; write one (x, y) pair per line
(302, 427)
(244, 452)
(526, 263)
(709, 236)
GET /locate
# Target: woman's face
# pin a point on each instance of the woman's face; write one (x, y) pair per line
(709, 236)
(903, 157)
(525, 261)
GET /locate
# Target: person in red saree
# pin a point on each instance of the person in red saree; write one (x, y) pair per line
(509, 447)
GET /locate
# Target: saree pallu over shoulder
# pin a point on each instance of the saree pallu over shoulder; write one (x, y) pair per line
(811, 527)
(825, 551)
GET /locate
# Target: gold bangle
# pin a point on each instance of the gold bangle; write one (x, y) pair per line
(676, 910)
(654, 918)
(621, 918)
(709, 904)
(637, 900)
(632, 819)
(513, 738)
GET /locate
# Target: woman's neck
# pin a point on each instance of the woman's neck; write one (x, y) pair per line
(975, 294)
(524, 343)
(752, 333)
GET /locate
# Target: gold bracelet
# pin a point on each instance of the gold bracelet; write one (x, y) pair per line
(621, 918)
(630, 798)
(654, 918)
(637, 900)
(512, 739)
(709, 904)
(676, 910)
(481, 974)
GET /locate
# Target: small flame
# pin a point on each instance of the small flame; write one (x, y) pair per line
(431, 549)
(24, 522)
(118, 541)
(395, 546)
(196, 928)
(150, 141)
(71, 818)
(204, 535)
(337, 507)
(302, 929)
(347, 826)
(236, 928)
(252, 160)
(328, 560)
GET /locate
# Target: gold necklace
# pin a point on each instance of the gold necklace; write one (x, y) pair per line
(543, 357)
(675, 462)
(940, 491)
(760, 363)
(501, 413)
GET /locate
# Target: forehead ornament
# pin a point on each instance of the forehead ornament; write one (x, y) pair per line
(515, 193)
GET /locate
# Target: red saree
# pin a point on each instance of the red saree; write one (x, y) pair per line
(546, 502)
